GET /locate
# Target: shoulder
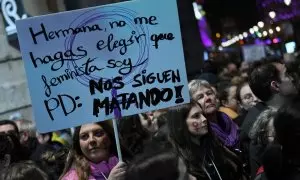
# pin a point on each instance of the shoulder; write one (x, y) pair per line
(254, 111)
(70, 175)
(251, 116)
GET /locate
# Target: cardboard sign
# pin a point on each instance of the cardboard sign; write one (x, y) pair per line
(103, 62)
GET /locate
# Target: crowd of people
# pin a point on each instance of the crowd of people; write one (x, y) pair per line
(242, 122)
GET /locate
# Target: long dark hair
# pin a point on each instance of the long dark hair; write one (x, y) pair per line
(196, 150)
(132, 133)
(23, 170)
(149, 167)
(10, 145)
(77, 158)
(182, 139)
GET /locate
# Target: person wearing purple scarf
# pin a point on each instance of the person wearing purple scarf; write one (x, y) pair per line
(92, 155)
(226, 130)
(222, 126)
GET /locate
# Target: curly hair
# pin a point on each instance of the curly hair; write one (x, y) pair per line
(259, 130)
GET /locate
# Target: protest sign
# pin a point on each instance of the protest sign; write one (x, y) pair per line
(103, 62)
(253, 52)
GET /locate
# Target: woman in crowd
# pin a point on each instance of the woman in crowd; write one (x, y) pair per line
(246, 100)
(93, 154)
(261, 134)
(227, 97)
(204, 156)
(222, 126)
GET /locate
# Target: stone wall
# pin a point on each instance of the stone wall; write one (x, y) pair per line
(14, 92)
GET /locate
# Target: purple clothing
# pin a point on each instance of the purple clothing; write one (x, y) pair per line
(226, 130)
(97, 170)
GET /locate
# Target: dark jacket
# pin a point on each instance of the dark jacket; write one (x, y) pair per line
(255, 153)
(249, 120)
(30, 147)
(278, 166)
(240, 119)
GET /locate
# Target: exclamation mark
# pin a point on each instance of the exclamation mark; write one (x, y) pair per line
(179, 98)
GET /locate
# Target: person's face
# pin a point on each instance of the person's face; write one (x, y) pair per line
(196, 122)
(149, 121)
(207, 99)
(231, 99)
(42, 138)
(247, 97)
(8, 129)
(232, 68)
(244, 66)
(24, 137)
(286, 87)
(94, 142)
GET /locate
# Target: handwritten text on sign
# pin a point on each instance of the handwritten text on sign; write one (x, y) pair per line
(97, 63)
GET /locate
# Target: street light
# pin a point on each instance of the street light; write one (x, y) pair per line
(245, 34)
(251, 30)
(272, 14)
(255, 28)
(287, 2)
(278, 29)
(260, 24)
(259, 35)
(265, 33)
(241, 37)
(271, 31)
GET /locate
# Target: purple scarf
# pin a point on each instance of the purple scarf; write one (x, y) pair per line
(226, 130)
(97, 170)
(103, 167)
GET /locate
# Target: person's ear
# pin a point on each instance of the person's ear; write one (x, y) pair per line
(25, 136)
(275, 86)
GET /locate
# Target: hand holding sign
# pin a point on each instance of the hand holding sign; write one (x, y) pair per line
(85, 65)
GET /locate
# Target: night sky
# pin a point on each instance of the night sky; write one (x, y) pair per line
(244, 13)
